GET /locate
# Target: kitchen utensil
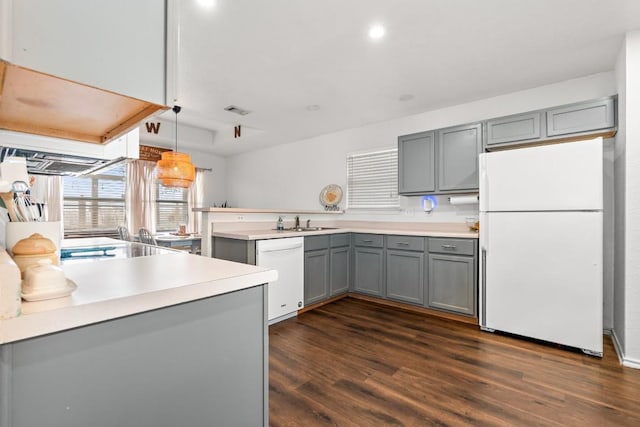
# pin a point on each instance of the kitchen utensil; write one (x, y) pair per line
(7, 199)
(22, 201)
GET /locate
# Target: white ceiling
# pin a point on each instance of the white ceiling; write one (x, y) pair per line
(277, 57)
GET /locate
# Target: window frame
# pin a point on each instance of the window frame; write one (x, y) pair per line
(360, 194)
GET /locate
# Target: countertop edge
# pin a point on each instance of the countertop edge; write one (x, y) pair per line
(274, 234)
(259, 211)
(71, 316)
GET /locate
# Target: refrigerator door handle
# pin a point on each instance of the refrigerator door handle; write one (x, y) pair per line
(483, 296)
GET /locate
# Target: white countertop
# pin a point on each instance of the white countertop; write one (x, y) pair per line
(262, 211)
(274, 234)
(112, 288)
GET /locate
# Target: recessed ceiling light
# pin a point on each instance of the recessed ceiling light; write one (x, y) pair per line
(313, 107)
(207, 4)
(405, 97)
(376, 32)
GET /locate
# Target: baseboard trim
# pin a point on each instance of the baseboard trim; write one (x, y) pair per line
(416, 309)
(321, 303)
(624, 361)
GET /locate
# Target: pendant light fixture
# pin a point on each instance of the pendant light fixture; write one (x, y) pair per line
(175, 169)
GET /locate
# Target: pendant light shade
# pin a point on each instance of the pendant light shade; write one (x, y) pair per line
(175, 169)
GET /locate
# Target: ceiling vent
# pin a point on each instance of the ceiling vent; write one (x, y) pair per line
(237, 110)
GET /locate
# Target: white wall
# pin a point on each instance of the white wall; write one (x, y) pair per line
(619, 200)
(193, 141)
(632, 200)
(215, 184)
(292, 175)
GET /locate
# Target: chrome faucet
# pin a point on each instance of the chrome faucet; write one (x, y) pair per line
(297, 222)
(308, 223)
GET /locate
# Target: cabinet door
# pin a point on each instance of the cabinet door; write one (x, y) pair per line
(114, 45)
(452, 283)
(316, 276)
(339, 267)
(416, 163)
(521, 127)
(405, 276)
(369, 271)
(458, 150)
(582, 117)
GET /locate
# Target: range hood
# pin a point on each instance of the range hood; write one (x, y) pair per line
(53, 156)
(33, 102)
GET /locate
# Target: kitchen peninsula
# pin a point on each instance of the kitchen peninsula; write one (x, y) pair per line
(153, 340)
(431, 267)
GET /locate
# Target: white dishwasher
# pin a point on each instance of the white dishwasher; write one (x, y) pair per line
(286, 295)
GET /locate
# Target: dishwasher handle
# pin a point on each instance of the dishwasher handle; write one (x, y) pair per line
(282, 248)
(278, 245)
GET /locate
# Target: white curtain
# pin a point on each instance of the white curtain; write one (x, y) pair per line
(48, 190)
(140, 196)
(196, 197)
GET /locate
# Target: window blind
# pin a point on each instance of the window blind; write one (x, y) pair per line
(171, 208)
(95, 202)
(372, 180)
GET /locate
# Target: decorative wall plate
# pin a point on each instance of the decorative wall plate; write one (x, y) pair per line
(331, 196)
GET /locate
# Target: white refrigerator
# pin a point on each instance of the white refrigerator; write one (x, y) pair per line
(541, 243)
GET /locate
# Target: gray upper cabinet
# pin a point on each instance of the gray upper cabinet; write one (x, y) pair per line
(581, 117)
(521, 127)
(558, 123)
(458, 150)
(441, 161)
(416, 163)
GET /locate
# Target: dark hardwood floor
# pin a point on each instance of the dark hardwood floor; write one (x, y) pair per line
(357, 363)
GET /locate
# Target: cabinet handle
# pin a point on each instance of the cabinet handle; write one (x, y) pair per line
(367, 241)
(403, 243)
(448, 246)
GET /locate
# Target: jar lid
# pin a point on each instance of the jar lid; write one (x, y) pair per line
(36, 244)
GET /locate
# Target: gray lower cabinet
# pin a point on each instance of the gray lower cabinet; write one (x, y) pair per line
(405, 276)
(452, 282)
(236, 250)
(200, 363)
(326, 266)
(316, 276)
(339, 260)
(368, 274)
(368, 264)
